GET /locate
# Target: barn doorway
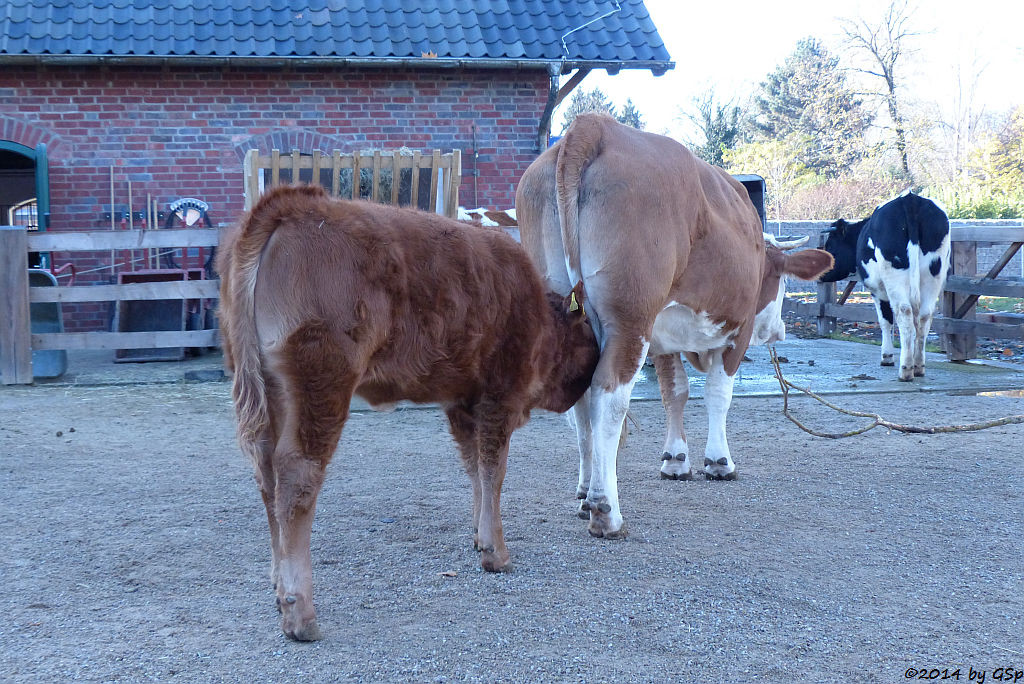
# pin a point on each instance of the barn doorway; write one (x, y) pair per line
(25, 191)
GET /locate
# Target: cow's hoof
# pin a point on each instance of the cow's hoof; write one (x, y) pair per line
(719, 469)
(906, 375)
(492, 561)
(583, 512)
(675, 467)
(598, 527)
(888, 362)
(918, 371)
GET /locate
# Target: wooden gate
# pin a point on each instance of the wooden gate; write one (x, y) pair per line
(429, 182)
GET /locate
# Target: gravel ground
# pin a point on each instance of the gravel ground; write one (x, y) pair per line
(135, 549)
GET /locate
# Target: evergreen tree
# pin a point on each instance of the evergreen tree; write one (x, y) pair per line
(630, 115)
(586, 101)
(718, 123)
(809, 96)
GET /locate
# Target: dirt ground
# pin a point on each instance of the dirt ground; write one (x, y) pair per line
(135, 549)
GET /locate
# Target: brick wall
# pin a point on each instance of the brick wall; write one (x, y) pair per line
(183, 132)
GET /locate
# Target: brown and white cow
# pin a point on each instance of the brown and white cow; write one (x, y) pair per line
(674, 261)
(322, 299)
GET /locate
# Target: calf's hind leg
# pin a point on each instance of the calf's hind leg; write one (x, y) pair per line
(317, 385)
(482, 433)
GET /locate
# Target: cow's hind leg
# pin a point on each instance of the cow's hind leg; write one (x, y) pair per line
(610, 390)
(675, 391)
(907, 324)
(580, 417)
(718, 463)
(885, 321)
(318, 381)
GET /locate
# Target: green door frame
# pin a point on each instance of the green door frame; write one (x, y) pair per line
(38, 156)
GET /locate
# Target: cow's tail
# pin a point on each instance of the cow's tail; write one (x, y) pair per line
(580, 146)
(910, 213)
(239, 267)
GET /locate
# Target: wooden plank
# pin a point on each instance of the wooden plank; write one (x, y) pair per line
(317, 163)
(984, 287)
(396, 175)
(414, 192)
(91, 240)
(127, 340)
(275, 168)
(296, 155)
(953, 326)
(860, 313)
(435, 165)
(15, 318)
(996, 234)
(375, 181)
(454, 179)
(336, 173)
(960, 346)
(177, 289)
(355, 177)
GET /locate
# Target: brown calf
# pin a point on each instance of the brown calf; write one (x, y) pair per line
(322, 299)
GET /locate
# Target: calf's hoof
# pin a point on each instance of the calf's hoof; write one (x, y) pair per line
(494, 561)
(888, 361)
(906, 375)
(583, 512)
(298, 618)
(918, 371)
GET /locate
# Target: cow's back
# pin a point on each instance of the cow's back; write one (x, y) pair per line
(428, 308)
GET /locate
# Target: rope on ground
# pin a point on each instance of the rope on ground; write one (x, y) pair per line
(876, 420)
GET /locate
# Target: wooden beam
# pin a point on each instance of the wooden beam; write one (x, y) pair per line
(15, 318)
(87, 241)
(998, 234)
(982, 287)
(127, 340)
(176, 289)
(570, 85)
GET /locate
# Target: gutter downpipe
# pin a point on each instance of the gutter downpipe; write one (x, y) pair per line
(544, 129)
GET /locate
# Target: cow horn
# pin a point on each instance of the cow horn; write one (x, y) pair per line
(792, 243)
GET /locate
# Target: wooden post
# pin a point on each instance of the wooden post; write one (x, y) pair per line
(961, 346)
(15, 320)
(826, 296)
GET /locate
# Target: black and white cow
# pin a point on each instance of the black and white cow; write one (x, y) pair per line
(901, 254)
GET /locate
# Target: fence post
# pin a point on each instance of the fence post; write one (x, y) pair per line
(826, 296)
(15, 319)
(961, 346)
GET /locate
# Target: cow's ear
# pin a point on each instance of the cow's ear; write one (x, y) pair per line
(574, 301)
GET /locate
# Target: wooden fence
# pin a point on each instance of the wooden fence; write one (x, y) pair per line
(16, 339)
(959, 324)
(430, 182)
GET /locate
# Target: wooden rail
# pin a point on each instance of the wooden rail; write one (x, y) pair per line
(959, 324)
(16, 339)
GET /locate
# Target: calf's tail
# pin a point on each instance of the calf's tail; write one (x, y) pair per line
(239, 263)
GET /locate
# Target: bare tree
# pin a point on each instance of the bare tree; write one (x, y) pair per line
(884, 45)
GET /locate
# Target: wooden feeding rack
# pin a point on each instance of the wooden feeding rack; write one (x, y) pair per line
(427, 181)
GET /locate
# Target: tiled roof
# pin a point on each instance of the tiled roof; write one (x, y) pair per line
(339, 30)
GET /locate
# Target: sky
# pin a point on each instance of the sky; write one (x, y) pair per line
(732, 47)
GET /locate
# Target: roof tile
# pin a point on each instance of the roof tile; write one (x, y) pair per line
(458, 29)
